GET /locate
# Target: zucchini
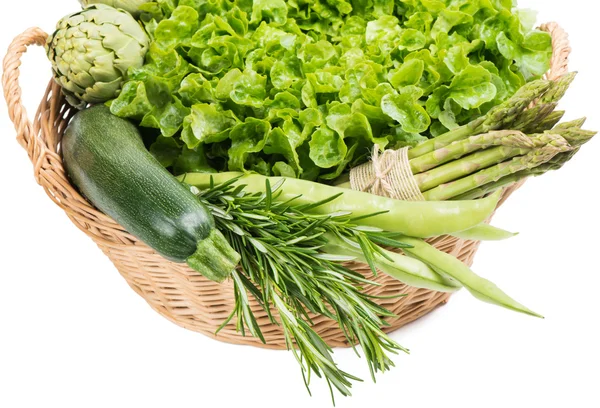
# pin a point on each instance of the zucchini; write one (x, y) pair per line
(107, 161)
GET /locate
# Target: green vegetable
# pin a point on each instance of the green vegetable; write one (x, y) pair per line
(458, 149)
(287, 265)
(501, 117)
(512, 146)
(466, 164)
(543, 124)
(528, 161)
(406, 270)
(416, 219)
(131, 6)
(571, 131)
(292, 261)
(92, 50)
(482, 289)
(106, 159)
(307, 88)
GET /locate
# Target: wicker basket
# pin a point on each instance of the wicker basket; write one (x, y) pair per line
(173, 290)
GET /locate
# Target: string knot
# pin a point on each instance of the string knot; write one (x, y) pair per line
(388, 174)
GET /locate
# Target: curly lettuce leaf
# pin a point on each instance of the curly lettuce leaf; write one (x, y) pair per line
(405, 109)
(531, 56)
(327, 148)
(206, 124)
(247, 138)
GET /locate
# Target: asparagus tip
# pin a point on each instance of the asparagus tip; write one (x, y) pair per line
(574, 123)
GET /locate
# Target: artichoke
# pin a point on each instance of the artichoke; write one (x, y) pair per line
(91, 52)
(131, 6)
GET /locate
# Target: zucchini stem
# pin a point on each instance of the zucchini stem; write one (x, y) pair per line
(214, 258)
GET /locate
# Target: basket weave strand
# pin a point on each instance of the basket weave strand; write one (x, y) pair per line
(174, 290)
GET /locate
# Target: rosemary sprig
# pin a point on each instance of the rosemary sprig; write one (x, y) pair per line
(284, 269)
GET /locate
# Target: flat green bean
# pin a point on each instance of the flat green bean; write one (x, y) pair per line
(407, 270)
(421, 219)
(448, 265)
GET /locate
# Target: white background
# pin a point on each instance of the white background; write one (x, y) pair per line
(73, 334)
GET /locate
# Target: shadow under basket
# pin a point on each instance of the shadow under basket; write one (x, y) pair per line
(174, 290)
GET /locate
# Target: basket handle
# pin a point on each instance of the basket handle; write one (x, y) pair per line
(26, 135)
(561, 50)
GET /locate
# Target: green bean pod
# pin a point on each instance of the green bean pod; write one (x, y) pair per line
(421, 219)
(405, 269)
(448, 265)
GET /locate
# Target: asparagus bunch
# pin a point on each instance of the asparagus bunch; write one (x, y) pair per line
(555, 148)
(514, 140)
(575, 136)
(528, 161)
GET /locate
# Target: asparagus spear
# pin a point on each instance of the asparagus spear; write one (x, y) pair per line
(573, 133)
(499, 117)
(467, 165)
(516, 113)
(554, 164)
(577, 123)
(545, 124)
(576, 138)
(531, 160)
(496, 185)
(482, 160)
(558, 88)
(529, 119)
(461, 148)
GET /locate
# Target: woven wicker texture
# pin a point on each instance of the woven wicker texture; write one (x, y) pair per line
(173, 290)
